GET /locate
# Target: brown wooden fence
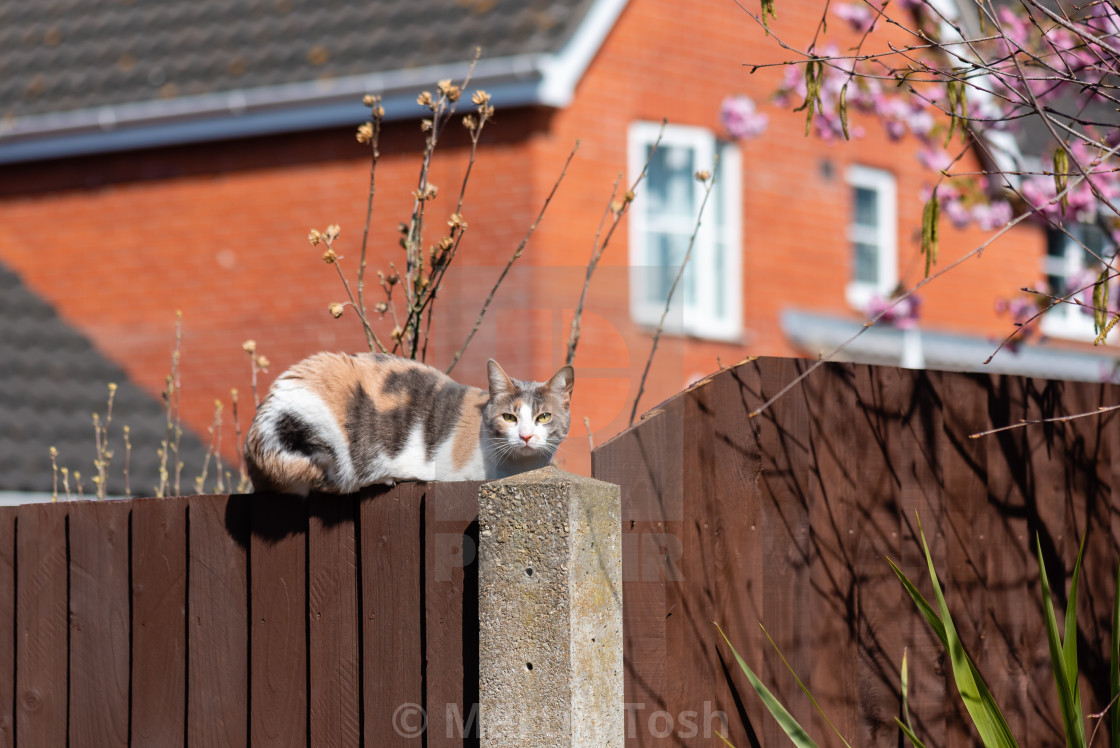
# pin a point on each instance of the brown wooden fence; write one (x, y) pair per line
(787, 519)
(241, 620)
(260, 620)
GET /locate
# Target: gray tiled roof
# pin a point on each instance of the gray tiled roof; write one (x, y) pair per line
(52, 380)
(61, 55)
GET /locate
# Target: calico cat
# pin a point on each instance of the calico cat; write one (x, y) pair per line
(334, 423)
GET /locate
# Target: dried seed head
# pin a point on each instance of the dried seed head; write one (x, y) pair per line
(629, 196)
(381, 307)
(365, 132)
(393, 279)
(469, 123)
(369, 100)
(617, 206)
(424, 99)
(314, 237)
(333, 231)
(425, 125)
(262, 362)
(456, 221)
(54, 452)
(335, 310)
(480, 97)
(402, 228)
(703, 175)
(448, 89)
(329, 256)
(249, 346)
(397, 333)
(445, 243)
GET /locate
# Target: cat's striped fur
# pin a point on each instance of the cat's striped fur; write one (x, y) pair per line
(336, 422)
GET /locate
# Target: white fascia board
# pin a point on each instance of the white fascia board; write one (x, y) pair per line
(563, 71)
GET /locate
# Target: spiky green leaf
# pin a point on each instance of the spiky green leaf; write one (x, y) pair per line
(794, 731)
(986, 715)
(908, 727)
(1062, 658)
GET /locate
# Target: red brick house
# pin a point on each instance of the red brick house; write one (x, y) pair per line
(173, 156)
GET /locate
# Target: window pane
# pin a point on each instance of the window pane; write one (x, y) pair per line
(867, 262)
(866, 206)
(667, 253)
(670, 187)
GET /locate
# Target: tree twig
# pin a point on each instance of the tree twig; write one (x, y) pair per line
(513, 258)
(597, 249)
(676, 281)
(1056, 419)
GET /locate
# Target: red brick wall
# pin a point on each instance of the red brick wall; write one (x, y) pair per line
(119, 243)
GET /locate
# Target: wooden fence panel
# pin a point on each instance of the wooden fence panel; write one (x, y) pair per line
(159, 622)
(393, 623)
(41, 626)
(451, 613)
(278, 624)
(100, 626)
(334, 625)
(7, 627)
(218, 607)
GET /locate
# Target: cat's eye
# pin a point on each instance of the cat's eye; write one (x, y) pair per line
(510, 417)
(544, 418)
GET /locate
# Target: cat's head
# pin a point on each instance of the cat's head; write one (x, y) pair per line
(527, 420)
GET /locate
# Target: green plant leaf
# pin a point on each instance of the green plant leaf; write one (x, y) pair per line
(724, 739)
(804, 688)
(785, 720)
(1063, 657)
(909, 734)
(908, 728)
(986, 716)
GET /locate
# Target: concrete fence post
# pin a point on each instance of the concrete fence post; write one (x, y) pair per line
(550, 612)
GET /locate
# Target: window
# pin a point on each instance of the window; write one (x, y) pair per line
(708, 301)
(872, 235)
(1072, 262)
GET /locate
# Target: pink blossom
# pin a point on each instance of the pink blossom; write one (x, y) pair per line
(904, 315)
(993, 215)
(858, 15)
(935, 159)
(957, 214)
(739, 118)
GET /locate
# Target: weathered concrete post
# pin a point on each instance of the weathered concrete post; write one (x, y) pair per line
(550, 612)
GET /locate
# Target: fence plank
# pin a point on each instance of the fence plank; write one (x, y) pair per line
(278, 629)
(392, 578)
(218, 641)
(452, 619)
(41, 626)
(99, 625)
(7, 627)
(334, 623)
(159, 622)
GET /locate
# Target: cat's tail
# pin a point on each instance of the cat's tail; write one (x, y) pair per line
(275, 465)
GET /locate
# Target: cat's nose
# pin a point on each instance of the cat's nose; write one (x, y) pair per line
(526, 437)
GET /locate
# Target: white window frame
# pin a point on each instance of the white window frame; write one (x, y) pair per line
(698, 318)
(884, 236)
(1066, 321)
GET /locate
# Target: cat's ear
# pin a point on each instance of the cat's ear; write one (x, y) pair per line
(499, 382)
(562, 383)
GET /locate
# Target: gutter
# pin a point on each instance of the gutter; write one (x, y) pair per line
(514, 81)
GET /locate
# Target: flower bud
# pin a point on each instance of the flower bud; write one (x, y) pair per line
(335, 310)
